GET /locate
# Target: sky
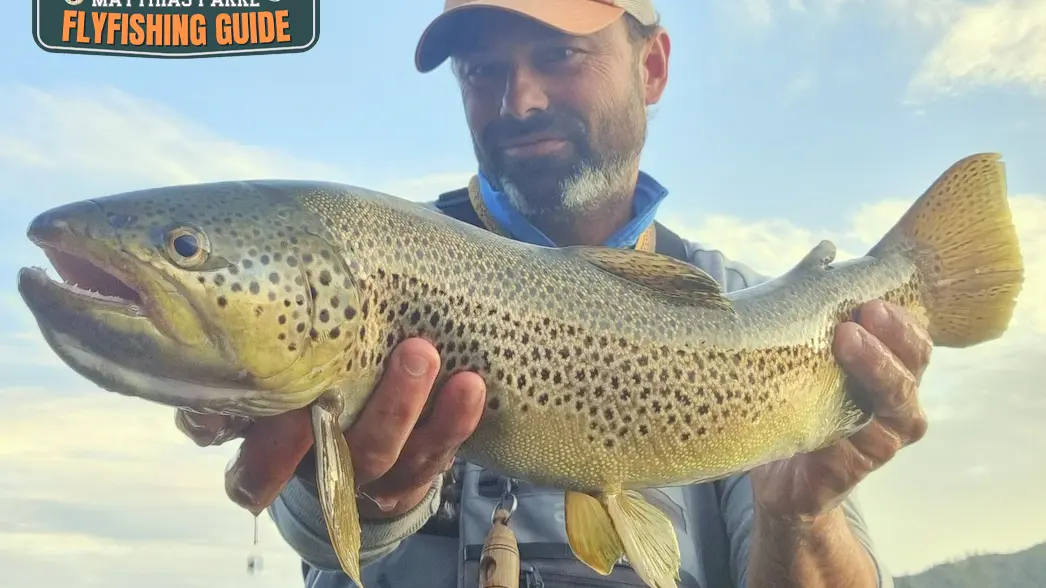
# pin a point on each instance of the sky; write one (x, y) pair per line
(784, 122)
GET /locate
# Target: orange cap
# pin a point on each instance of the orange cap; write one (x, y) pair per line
(573, 17)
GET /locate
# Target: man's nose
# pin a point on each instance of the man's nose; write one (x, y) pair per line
(524, 93)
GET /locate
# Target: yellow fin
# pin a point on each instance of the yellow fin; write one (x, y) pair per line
(960, 235)
(591, 533)
(648, 537)
(665, 275)
(337, 487)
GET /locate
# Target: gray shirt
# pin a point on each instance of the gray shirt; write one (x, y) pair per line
(712, 520)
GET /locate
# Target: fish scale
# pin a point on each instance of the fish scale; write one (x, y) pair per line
(607, 370)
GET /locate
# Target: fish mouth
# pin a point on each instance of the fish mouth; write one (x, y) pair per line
(83, 247)
(86, 280)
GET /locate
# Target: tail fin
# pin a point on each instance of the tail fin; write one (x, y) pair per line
(961, 236)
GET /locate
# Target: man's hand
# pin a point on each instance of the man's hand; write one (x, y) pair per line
(394, 460)
(884, 353)
(802, 538)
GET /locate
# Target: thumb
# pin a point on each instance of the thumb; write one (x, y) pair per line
(267, 458)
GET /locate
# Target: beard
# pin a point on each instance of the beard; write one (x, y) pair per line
(591, 170)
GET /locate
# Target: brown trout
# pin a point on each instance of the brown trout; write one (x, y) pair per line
(608, 370)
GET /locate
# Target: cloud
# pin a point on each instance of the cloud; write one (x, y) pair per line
(914, 14)
(968, 44)
(113, 135)
(116, 141)
(427, 187)
(94, 483)
(999, 43)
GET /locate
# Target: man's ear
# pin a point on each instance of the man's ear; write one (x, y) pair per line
(654, 65)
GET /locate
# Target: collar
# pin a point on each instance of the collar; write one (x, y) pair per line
(495, 209)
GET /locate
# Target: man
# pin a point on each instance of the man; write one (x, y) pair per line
(555, 95)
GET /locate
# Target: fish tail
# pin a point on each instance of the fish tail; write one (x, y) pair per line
(961, 237)
(601, 530)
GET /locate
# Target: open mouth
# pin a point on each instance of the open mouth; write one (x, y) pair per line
(86, 279)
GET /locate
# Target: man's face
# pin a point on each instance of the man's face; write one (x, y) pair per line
(557, 122)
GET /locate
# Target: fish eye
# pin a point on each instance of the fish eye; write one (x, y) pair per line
(186, 247)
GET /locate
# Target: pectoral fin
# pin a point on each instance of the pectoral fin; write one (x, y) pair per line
(337, 487)
(648, 537)
(591, 532)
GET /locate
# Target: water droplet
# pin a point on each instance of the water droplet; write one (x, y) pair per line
(254, 558)
(254, 564)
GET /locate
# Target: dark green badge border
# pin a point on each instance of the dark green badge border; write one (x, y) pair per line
(155, 55)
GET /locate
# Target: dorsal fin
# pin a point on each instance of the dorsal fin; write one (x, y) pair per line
(664, 275)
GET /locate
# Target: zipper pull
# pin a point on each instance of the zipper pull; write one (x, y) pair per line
(499, 560)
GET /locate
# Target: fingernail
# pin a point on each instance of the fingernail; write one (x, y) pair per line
(414, 364)
(238, 486)
(195, 431)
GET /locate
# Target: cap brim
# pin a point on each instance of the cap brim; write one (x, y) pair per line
(567, 16)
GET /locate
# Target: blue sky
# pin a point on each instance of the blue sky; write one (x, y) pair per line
(784, 122)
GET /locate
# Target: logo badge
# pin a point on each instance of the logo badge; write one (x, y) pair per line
(176, 28)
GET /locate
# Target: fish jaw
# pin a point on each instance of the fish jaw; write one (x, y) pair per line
(125, 327)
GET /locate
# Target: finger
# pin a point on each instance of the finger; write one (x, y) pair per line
(828, 476)
(878, 443)
(266, 459)
(392, 411)
(898, 331)
(892, 391)
(209, 429)
(431, 447)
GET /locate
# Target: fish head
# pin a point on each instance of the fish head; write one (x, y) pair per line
(221, 297)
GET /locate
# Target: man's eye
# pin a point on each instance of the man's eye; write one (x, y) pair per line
(560, 53)
(480, 71)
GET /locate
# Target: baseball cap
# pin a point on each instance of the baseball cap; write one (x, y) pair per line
(573, 17)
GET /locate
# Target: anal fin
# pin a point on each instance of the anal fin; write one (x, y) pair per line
(648, 537)
(335, 480)
(591, 532)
